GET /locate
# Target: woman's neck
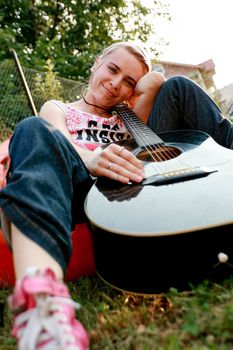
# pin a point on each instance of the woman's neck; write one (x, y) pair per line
(85, 99)
(92, 108)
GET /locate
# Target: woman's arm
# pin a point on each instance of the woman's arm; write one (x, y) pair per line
(55, 116)
(124, 167)
(145, 92)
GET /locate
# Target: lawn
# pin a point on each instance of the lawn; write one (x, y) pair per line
(200, 318)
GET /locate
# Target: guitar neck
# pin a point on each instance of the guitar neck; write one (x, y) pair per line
(141, 133)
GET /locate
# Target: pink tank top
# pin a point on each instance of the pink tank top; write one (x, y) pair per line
(91, 131)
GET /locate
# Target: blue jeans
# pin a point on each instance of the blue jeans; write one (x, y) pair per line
(48, 182)
(182, 104)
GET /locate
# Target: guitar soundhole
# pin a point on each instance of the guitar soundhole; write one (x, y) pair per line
(158, 153)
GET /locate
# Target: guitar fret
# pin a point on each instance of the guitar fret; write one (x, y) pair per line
(142, 134)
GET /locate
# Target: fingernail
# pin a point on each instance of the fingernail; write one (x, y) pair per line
(139, 178)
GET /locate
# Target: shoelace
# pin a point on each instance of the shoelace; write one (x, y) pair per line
(55, 328)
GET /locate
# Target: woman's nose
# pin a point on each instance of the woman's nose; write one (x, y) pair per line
(115, 82)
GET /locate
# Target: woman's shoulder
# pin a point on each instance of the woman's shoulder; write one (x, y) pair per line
(52, 108)
(54, 105)
(58, 103)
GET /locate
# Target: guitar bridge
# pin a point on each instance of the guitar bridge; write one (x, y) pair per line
(178, 175)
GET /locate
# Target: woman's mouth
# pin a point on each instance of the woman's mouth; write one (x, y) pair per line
(109, 93)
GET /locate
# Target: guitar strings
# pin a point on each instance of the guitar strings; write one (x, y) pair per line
(169, 152)
(163, 154)
(141, 136)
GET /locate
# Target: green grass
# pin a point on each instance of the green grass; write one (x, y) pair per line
(199, 319)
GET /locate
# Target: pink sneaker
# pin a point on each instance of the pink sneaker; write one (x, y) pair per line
(45, 315)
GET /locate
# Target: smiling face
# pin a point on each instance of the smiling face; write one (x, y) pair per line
(114, 78)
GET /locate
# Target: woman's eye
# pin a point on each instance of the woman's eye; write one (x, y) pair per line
(130, 83)
(112, 69)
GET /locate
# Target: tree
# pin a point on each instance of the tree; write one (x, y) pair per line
(47, 86)
(72, 32)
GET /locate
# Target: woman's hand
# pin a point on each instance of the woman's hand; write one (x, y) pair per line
(144, 94)
(149, 83)
(114, 162)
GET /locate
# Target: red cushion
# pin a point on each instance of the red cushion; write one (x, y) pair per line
(81, 263)
(7, 276)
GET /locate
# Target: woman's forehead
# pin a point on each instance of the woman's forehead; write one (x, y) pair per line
(126, 61)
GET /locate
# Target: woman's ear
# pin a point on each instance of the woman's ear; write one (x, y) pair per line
(131, 100)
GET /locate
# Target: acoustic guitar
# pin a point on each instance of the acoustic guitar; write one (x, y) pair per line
(175, 228)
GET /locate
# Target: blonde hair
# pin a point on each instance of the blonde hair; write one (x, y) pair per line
(135, 50)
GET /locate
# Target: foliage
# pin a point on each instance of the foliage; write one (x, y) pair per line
(13, 101)
(198, 319)
(46, 85)
(72, 32)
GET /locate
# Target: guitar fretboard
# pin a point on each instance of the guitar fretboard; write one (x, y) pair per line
(142, 134)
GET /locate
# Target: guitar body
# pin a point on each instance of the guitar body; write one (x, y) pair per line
(156, 235)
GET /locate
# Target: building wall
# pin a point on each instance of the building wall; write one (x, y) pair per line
(226, 100)
(202, 73)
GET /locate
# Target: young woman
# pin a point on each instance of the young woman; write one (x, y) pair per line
(53, 161)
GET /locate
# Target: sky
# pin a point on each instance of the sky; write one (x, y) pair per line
(201, 30)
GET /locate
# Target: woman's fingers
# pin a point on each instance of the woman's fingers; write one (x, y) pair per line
(119, 164)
